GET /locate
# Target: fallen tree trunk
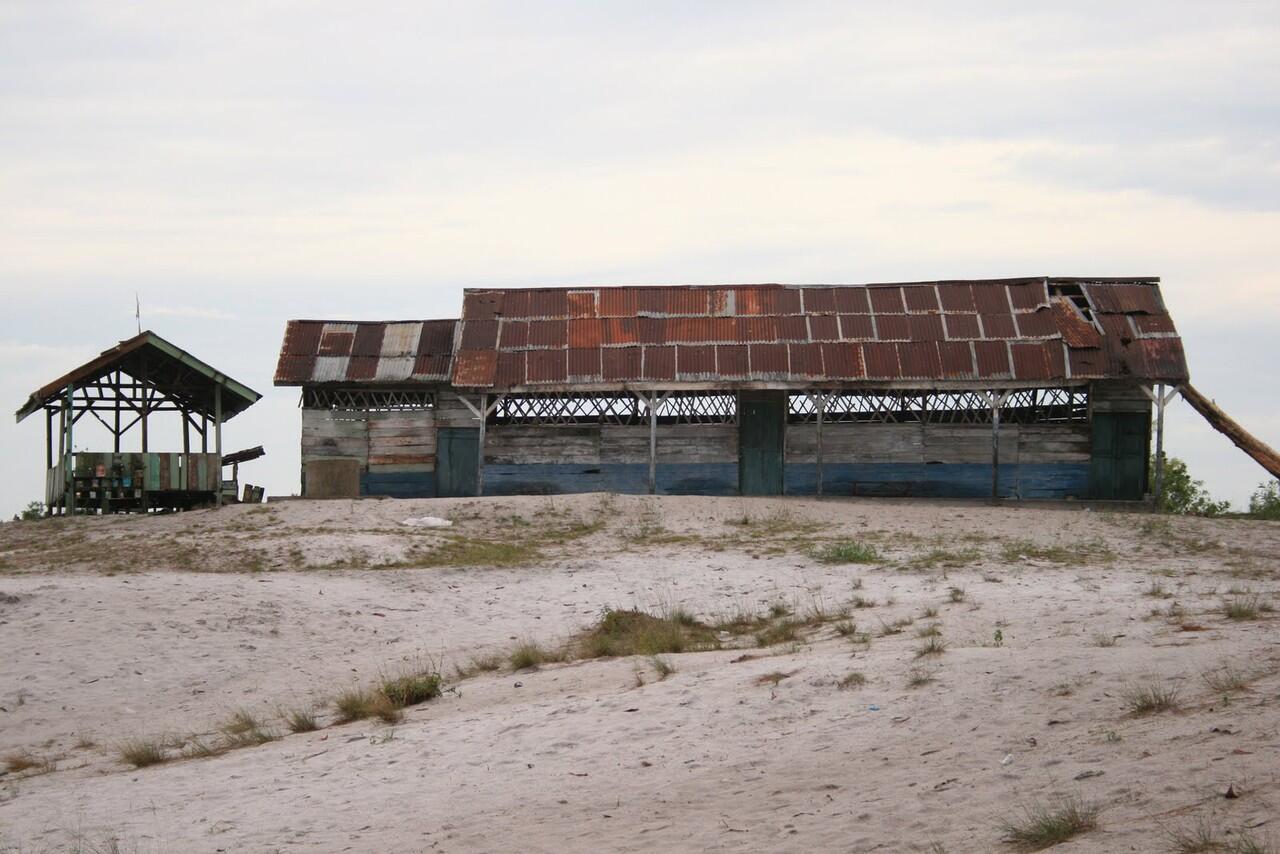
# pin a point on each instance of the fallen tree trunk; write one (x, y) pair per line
(1263, 453)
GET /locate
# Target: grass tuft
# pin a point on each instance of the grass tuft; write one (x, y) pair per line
(622, 633)
(1248, 606)
(353, 705)
(141, 752)
(1150, 697)
(410, 689)
(1043, 825)
(847, 551)
(853, 680)
(529, 654)
(918, 677)
(933, 646)
(301, 720)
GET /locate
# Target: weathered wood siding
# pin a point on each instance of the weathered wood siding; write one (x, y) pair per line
(1118, 397)
(548, 459)
(394, 451)
(948, 460)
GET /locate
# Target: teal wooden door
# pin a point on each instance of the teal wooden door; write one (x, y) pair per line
(457, 459)
(761, 419)
(1118, 464)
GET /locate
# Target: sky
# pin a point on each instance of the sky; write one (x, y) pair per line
(233, 165)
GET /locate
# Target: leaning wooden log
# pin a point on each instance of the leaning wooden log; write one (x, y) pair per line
(1263, 453)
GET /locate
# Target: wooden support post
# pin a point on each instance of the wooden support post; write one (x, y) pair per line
(69, 476)
(653, 443)
(116, 432)
(997, 400)
(204, 433)
(217, 440)
(484, 417)
(1159, 442)
(822, 411)
(186, 433)
(48, 438)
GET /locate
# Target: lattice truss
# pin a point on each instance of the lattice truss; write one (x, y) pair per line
(1024, 406)
(619, 409)
(367, 400)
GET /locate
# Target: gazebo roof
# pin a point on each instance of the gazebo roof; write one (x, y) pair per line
(153, 361)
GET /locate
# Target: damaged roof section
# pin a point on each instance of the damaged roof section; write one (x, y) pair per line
(381, 352)
(1033, 331)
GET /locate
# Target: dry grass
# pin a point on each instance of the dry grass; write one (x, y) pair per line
(142, 752)
(1103, 639)
(1043, 825)
(933, 646)
(1149, 697)
(410, 689)
(353, 705)
(629, 632)
(852, 680)
(774, 677)
(302, 719)
(24, 760)
(1246, 606)
(529, 654)
(918, 677)
(1204, 837)
(1226, 678)
(662, 667)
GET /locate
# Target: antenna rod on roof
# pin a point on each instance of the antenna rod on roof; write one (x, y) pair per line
(137, 310)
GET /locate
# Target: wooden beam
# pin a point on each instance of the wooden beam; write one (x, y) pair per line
(822, 411)
(483, 414)
(1262, 453)
(69, 476)
(217, 433)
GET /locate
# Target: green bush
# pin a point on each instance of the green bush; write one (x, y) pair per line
(1265, 501)
(1183, 494)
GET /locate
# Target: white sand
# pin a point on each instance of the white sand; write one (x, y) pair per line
(115, 634)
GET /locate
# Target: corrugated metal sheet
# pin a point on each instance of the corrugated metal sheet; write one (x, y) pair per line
(372, 352)
(1020, 330)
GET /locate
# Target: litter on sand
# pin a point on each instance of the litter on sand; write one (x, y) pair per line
(427, 522)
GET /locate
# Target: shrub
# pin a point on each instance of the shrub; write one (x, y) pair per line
(1265, 501)
(1183, 494)
(301, 720)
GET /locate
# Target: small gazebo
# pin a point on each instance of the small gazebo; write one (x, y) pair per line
(121, 389)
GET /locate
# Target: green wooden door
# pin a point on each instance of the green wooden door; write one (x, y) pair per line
(1118, 466)
(457, 458)
(761, 418)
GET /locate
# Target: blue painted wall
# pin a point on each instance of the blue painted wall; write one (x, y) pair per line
(939, 480)
(951, 480)
(559, 478)
(408, 484)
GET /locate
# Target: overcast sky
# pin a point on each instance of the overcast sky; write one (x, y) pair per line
(237, 165)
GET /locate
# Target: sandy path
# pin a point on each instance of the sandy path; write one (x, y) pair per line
(577, 758)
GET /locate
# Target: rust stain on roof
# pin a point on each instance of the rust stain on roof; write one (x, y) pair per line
(1020, 330)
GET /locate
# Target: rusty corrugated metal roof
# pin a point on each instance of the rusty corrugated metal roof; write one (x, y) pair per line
(1019, 330)
(367, 353)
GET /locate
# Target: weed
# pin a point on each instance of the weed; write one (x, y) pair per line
(781, 632)
(955, 594)
(929, 613)
(774, 677)
(621, 633)
(141, 752)
(662, 666)
(918, 677)
(846, 551)
(410, 689)
(528, 654)
(1245, 606)
(1149, 697)
(353, 705)
(25, 760)
(933, 646)
(1043, 825)
(1226, 678)
(852, 680)
(932, 630)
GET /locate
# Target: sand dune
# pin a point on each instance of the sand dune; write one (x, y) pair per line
(163, 627)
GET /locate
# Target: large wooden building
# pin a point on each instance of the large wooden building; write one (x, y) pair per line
(1025, 388)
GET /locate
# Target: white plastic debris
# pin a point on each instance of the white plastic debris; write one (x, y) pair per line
(427, 522)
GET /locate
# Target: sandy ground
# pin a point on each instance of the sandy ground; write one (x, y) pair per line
(162, 627)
